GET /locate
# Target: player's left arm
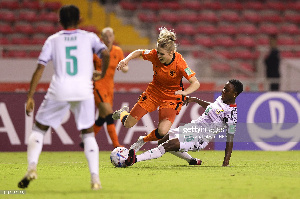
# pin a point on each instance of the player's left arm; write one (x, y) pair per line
(228, 149)
(193, 87)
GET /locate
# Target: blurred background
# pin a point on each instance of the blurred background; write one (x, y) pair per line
(218, 39)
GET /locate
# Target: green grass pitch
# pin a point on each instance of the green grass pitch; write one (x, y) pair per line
(253, 174)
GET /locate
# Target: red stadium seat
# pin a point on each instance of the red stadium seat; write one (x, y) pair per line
(243, 54)
(11, 5)
(248, 29)
(290, 29)
(253, 5)
(223, 53)
(188, 17)
(204, 41)
(229, 15)
(221, 67)
(46, 29)
(287, 54)
(15, 54)
(34, 54)
(292, 17)
(271, 17)
(32, 5)
(24, 28)
(293, 5)
(147, 17)
(185, 29)
(192, 5)
(128, 5)
(38, 40)
(206, 29)
(48, 16)
(169, 17)
(53, 6)
(227, 29)
(184, 42)
(212, 5)
(262, 40)
(4, 41)
(6, 29)
(245, 41)
(21, 41)
(7, 16)
(251, 16)
(233, 5)
(286, 41)
(150, 5)
(275, 5)
(170, 5)
(268, 29)
(208, 16)
(26, 15)
(224, 41)
(247, 67)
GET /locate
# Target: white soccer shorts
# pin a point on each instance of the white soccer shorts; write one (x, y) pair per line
(52, 112)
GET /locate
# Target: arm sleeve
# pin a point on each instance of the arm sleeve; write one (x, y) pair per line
(149, 54)
(45, 55)
(97, 45)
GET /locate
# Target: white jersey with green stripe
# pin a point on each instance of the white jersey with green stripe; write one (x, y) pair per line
(71, 52)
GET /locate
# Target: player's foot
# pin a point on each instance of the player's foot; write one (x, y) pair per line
(117, 113)
(131, 158)
(30, 175)
(81, 144)
(195, 161)
(139, 144)
(95, 183)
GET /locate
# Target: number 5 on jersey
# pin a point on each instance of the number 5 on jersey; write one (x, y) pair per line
(71, 69)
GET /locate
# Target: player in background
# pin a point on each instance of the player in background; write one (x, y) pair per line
(104, 88)
(219, 115)
(164, 92)
(71, 51)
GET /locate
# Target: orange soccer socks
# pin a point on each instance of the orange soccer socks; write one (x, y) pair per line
(153, 136)
(112, 131)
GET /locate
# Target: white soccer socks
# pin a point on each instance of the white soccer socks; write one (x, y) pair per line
(91, 151)
(151, 154)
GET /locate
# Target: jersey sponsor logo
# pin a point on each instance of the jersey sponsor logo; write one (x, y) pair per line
(219, 111)
(276, 107)
(188, 71)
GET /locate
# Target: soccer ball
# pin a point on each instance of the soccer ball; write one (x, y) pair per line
(118, 156)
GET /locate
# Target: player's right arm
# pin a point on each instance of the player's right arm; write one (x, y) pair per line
(202, 103)
(124, 62)
(33, 84)
(105, 61)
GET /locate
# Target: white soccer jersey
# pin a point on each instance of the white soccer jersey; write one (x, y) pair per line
(217, 117)
(72, 54)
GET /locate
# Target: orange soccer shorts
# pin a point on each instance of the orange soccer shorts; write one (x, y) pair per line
(168, 109)
(103, 94)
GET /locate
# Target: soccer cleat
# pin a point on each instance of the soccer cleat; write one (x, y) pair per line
(30, 175)
(195, 161)
(139, 144)
(95, 184)
(117, 113)
(131, 158)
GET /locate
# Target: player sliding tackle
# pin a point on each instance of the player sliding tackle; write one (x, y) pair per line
(218, 116)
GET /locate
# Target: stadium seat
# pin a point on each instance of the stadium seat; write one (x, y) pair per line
(192, 5)
(212, 5)
(253, 5)
(34, 54)
(7, 16)
(6, 29)
(293, 5)
(232, 5)
(247, 67)
(268, 28)
(262, 40)
(208, 16)
(287, 54)
(48, 16)
(246, 41)
(38, 40)
(184, 42)
(229, 15)
(20, 41)
(170, 5)
(243, 54)
(291, 29)
(248, 29)
(27, 15)
(206, 29)
(53, 6)
(168, 17)
(128, 5)
(4, 41)
(220, 67)
(46, 28)
(292, 17)
(11, 5)
(276, 5)
(204, 41)
(271, 17)
(224, 53)
(285, 40)
(150, 5)
(147, 17)
(251, 16)
(189, 16)
(185, 29)
(224, 41)
(24, 28)
(227, 29)
(32, 5)
(15, 54)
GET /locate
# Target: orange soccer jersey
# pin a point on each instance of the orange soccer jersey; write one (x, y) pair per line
(104, 88)
(166, 80)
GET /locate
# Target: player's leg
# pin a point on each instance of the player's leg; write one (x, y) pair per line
(84, 117)
(50, 113)
(169, 145)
